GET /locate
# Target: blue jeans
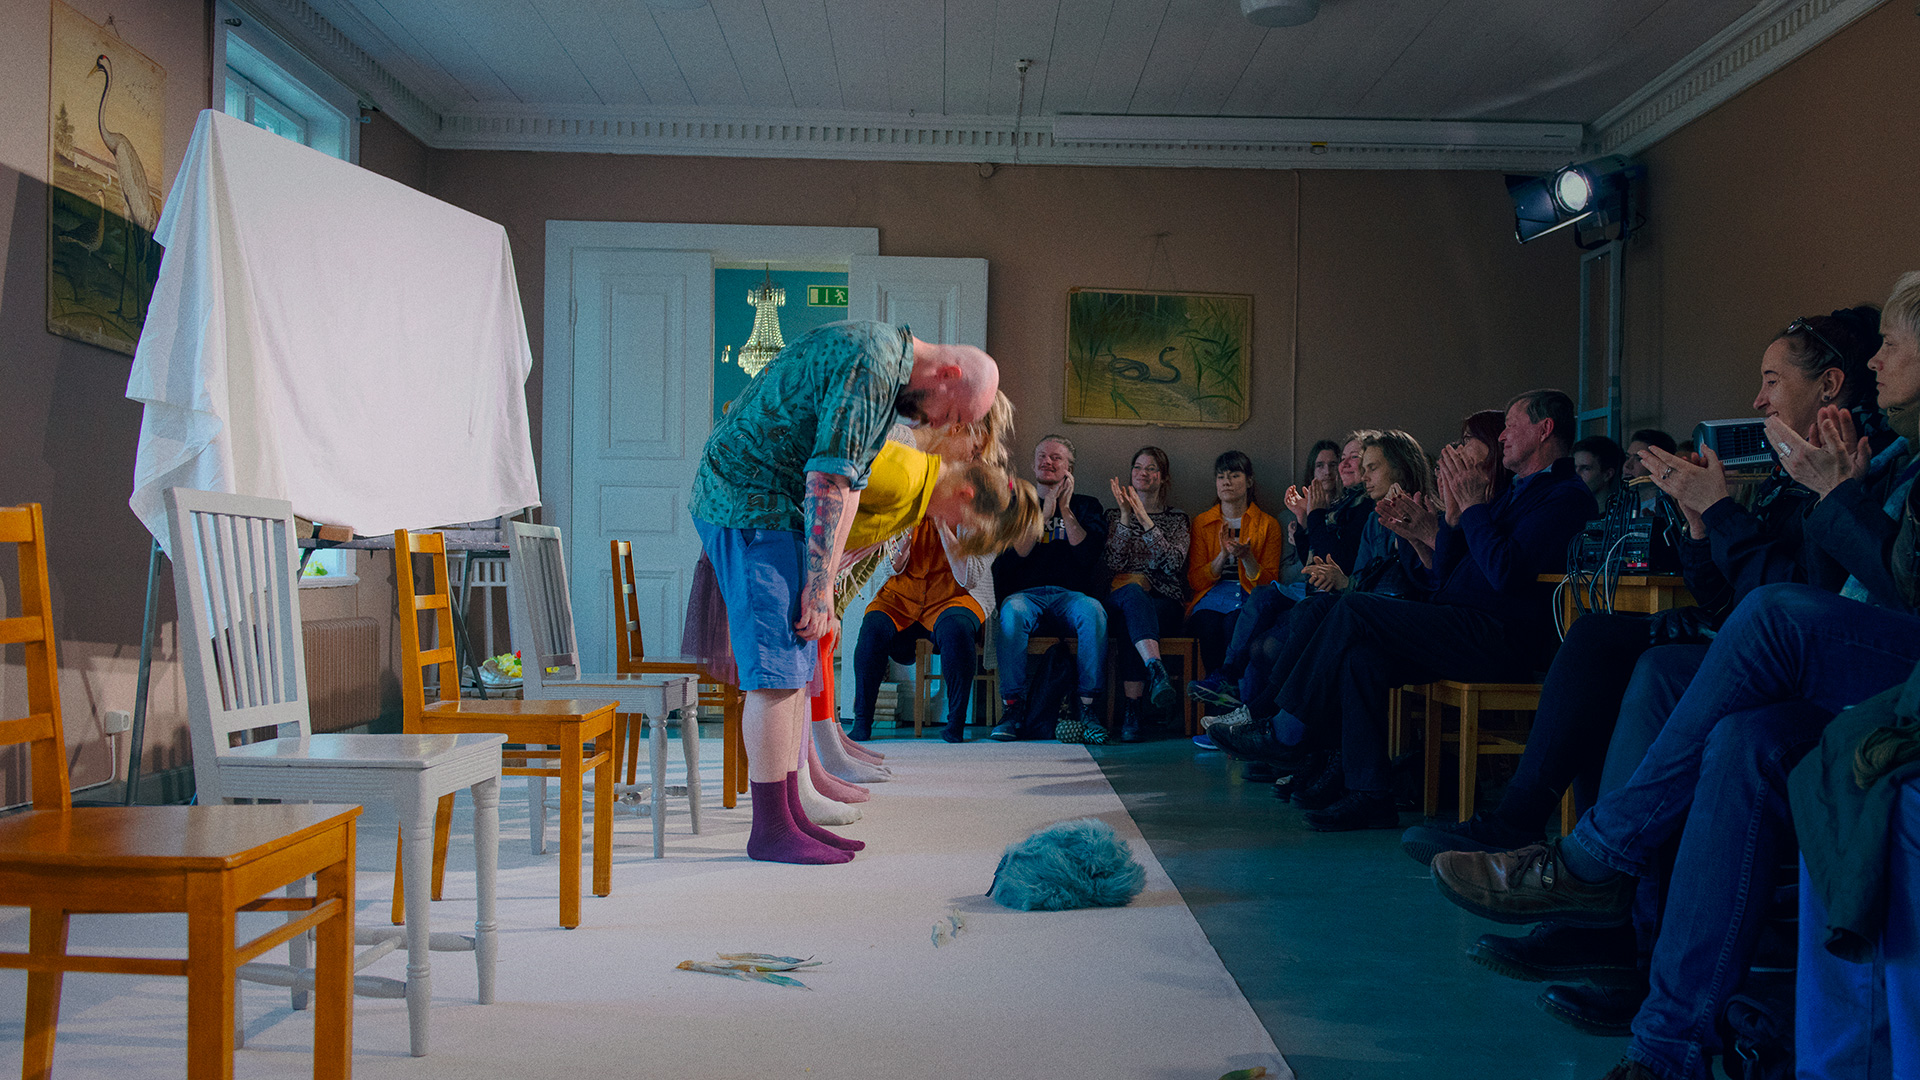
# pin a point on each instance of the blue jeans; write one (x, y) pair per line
(1783, 643)
(1862, 1021)
(1022, 611)
(1146, 617)
(1721, 890)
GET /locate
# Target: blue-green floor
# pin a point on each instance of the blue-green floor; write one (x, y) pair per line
(1341, 943)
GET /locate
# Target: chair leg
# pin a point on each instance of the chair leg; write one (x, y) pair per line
(603, 823)
(211, 970)
(1430, 800)
(442, 832)
(1396, 719)
(333, 971)
(729, 763)
(690, 749)
(657, 762)
(417, 870)
(486, 876)
(571, 812)
(296, 958)
(47, 937)
(922, 685)
(1568, 814)
(537, 814)
(398, 914)
(1469, 752)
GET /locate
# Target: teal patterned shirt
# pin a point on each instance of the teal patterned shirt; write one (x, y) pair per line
(823, 404)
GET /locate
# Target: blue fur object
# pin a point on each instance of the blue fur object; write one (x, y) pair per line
(1074, 864)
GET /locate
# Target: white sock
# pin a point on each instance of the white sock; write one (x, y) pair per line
(820, 809)
(834, 756)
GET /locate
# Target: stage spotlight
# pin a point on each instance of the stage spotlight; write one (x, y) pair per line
(1592, 194)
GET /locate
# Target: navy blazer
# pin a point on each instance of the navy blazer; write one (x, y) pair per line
(1492, 560)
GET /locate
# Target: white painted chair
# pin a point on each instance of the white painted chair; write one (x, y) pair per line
(541, 615)
(236, 576)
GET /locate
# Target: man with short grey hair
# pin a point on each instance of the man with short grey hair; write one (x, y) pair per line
(1055, 577)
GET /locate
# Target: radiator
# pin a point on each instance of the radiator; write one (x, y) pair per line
(343, 672)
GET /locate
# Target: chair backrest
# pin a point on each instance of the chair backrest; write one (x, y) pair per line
(40, 729)
(236, 582)
(538, 606)
(437, 601)
(629, 644)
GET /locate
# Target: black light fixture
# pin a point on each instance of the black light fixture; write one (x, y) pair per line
(1591, 195)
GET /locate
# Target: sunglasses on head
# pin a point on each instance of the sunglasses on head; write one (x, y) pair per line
(1802, 325)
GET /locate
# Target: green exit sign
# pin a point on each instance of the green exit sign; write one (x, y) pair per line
(826, 296)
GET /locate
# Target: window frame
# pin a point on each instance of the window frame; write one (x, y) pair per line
(331, 109)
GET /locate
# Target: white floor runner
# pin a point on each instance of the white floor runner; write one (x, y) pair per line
(1135, 992)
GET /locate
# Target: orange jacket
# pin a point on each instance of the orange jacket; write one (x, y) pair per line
(1257, 529)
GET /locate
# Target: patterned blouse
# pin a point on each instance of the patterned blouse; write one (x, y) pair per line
(1160, 552)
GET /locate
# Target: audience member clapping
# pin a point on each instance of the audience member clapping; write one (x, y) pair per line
(1147, 554)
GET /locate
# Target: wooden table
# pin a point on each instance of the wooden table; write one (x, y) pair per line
(210, 863)
(1635, 593)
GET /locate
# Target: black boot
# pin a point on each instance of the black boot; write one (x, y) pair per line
(1326, 789)
(1130, 720)
(862, 730)
(1161, 689)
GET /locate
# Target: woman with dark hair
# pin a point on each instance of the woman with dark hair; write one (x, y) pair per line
(1147, 553)
(1415, 517)
(1236, 548)
(1333, 517)
(1321, 485)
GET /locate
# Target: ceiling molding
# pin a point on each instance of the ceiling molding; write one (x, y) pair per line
(1201, 142)
(306, 30)
(1766, 39)
(1757, 45)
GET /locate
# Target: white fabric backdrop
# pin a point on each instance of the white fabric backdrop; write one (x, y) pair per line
(328, 336)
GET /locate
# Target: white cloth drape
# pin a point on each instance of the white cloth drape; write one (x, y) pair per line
(328, 336)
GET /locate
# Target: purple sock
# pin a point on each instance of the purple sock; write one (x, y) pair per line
(805, 824)
(776, 837)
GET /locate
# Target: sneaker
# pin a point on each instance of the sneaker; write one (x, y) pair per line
(1482, 832)
(1239, 714)
(1007, 732)
(1161, 688)
(1204, 742)
(1531, 885)
(1095, 733)
(1214, 690)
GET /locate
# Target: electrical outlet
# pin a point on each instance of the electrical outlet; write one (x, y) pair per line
(116, 721)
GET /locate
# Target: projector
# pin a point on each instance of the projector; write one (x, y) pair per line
(1279, 12)
(1739, 444)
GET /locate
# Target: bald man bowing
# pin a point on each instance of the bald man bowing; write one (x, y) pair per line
(774, 496)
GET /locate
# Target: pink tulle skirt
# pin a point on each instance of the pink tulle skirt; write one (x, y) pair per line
(704, 635)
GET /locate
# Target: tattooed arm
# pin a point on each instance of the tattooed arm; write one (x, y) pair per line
(829, 507)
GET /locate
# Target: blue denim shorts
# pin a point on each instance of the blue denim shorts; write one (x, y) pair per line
(760, 577)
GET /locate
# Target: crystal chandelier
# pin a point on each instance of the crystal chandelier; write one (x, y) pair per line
(765, 340)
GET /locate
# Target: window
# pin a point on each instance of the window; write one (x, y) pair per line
(330, 566)
(271, 86)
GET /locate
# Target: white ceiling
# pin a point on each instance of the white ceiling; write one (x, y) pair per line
(941, 78)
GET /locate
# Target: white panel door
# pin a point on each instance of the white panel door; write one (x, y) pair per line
(642, 409)
(944, 301)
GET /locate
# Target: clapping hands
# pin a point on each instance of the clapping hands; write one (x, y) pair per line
(1324, 574)
(1837, 453)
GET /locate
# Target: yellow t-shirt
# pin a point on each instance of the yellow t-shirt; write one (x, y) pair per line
(899, 490)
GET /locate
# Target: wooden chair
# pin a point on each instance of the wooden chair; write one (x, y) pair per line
(984, 686)
(581, 730)
(1473, 741)
(206, 862)
(236, 584)
(1184, 649)
(630, 658)
(541, 613)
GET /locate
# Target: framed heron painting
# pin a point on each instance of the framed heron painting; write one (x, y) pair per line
(105, 109)
(1170, 359)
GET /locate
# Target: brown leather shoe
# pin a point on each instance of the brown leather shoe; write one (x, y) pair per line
(1530, 885)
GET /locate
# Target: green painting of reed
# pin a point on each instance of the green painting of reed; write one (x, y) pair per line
(1174, 359)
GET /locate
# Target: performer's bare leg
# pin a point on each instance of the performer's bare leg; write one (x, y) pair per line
(771, 726)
